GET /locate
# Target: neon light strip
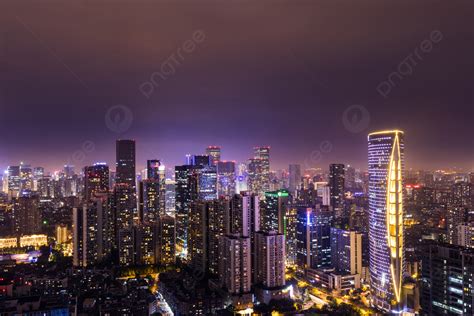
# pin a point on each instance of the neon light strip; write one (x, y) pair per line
(394, 220)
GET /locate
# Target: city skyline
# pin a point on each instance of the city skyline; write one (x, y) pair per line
(316, 159)
(264, 158)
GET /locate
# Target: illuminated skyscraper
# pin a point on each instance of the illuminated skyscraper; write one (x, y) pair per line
(270, 268)
(386, 166)
(125, 207)
(255, 176)
(185, 190)
(263, 153)
(214, 153)
(274, 212)
(96, 180)
(125, 199)
(27, 214)
(336, 187)
(313, 237)
(225, 178)
(153, 169)
(14, 181)
(218, 227)
(26, 175)
(125, 163)
(149, 200)
(165, 240)
(38, 173)
(235, 263)
(92, 231)
(447, 280)
(346, 250)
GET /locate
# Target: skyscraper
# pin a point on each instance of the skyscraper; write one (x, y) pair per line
(294, 178)
(96, 180)
(150, 196)
(125, 162)
(125, 199)
(26, 175)
(27, 214)
(346, 251)
(194, 182)
(214, 153)
(336, 187)
(235, 263)
(313, 237)
(198, 235)
(447, 280)
(255, 176)
(218, 226)
(125, 207)
(225, 178)
(350, 178)
(274, 212)
(270, 267)
(386, 166)
(165, 240)
(14, 181)
(263, 153)
(153, 169)
(92, 231)
(185, 190)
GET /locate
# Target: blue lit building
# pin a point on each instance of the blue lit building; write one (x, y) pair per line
(313, 237)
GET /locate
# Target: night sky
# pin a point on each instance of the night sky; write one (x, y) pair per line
(239, 74)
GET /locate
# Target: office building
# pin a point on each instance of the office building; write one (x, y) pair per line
(125, 163)
(14, 181)
(336, 187)
(96, 180)
(225, 178)
(214, 153)
(313, 237)
(346, 251)
(386, 166)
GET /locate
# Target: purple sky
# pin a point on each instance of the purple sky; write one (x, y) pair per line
(279, 73)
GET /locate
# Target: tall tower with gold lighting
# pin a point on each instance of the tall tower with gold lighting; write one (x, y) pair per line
(386, 243)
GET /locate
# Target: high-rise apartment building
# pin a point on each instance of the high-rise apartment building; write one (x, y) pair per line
(92, 231)
(447, 276)
(26, 214)
(235, 263)
(270, 268)
(165, 240)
